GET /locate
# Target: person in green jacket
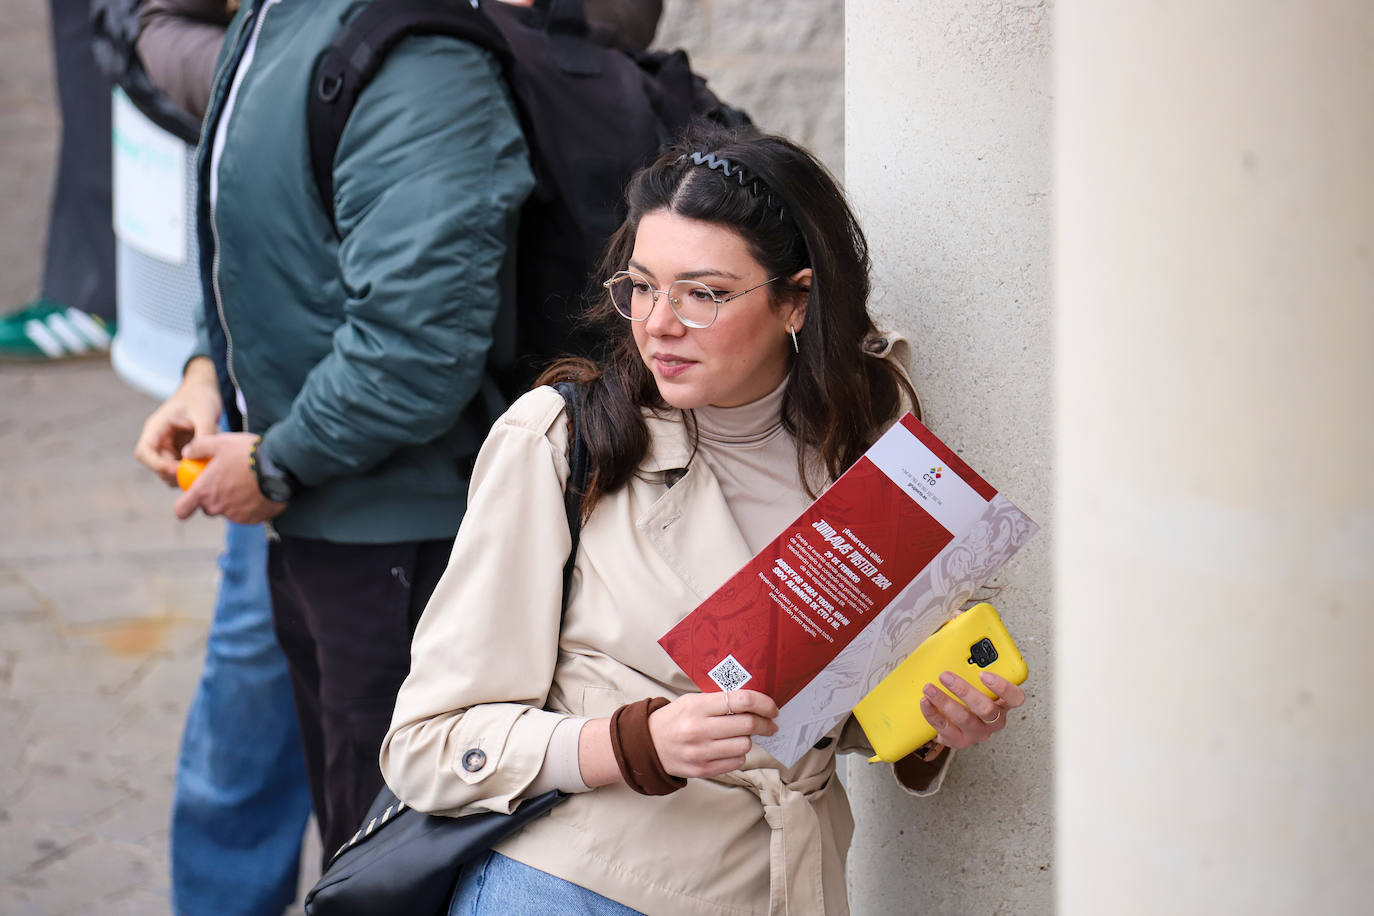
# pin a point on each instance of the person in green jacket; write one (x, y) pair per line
(346, 353)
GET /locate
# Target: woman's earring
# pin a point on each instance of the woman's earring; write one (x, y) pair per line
(793, 331)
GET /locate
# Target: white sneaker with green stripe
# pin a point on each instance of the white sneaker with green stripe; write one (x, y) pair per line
(44, 329)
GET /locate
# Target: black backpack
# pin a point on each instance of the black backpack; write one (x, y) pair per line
(591, 114)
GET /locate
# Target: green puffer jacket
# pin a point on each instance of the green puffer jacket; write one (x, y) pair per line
(356, 354)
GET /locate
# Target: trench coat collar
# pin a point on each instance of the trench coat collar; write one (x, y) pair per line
(690, 526)
(669, 445)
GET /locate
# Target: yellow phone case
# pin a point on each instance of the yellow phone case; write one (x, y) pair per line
(974, 642)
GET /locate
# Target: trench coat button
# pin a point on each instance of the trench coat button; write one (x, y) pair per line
(474, 760)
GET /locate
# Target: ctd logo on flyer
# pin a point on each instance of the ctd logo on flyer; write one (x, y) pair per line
(932, 475)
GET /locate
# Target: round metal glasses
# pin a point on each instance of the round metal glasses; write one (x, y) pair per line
(694, 303)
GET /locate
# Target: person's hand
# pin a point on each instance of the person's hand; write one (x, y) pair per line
(227, 486)
(707, 734)
(973, 716)
(192, 410)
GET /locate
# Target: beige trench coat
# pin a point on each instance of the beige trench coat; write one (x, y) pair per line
(492, 670)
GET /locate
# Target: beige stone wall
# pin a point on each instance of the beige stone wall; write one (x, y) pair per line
(948, 125)
(781, 60)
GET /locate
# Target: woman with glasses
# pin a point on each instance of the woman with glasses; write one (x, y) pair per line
(744, 374)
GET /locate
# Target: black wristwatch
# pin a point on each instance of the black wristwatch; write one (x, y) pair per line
(276, 482)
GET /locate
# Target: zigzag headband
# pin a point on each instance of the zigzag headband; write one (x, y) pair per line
(736, 171)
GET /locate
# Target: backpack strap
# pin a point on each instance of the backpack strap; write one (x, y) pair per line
(578, 460)
(357, 53)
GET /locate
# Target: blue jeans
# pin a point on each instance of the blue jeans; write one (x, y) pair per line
(494, 885)
(241, 802)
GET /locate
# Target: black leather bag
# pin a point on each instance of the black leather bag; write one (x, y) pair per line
(404, 861)
(407, 862)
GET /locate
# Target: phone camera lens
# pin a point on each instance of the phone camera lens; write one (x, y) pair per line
(983, 653)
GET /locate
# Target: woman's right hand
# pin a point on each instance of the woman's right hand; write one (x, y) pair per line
(707, 734)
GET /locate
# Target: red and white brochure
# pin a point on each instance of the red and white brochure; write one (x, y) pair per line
(818, 617)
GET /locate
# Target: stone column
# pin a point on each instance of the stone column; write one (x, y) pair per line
(947, 120)
(1214, 534)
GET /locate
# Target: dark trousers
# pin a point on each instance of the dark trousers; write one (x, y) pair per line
(78, 267)
(344, 614)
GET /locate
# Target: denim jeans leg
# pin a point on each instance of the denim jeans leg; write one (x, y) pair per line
(241, 801)
(494, 885)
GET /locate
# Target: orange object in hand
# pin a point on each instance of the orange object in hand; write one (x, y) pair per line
(188, 469)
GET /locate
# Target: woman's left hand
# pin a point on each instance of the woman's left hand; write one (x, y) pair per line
(973, 716)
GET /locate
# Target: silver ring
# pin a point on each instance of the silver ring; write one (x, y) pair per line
(728, 710)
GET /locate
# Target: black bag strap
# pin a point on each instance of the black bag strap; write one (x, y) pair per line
(578, 460)
(358, 51)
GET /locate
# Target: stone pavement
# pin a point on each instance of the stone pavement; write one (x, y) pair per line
(104, 601)
(104, 604)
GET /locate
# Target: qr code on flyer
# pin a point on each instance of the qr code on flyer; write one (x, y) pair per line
(729, 674)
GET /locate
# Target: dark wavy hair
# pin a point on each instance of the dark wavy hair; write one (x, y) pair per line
(792, 215)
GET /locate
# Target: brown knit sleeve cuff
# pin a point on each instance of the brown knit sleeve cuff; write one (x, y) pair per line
(634, 750)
